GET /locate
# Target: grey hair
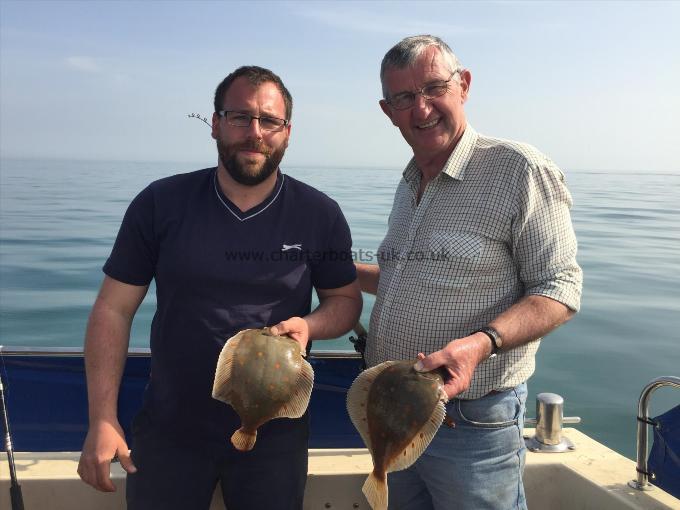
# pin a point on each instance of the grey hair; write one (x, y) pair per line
(406, 52)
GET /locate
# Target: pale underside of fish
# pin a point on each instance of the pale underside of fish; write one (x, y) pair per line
(263, 377)
(397, 412)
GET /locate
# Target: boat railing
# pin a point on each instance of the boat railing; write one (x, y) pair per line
(13, 350)
(641, 482)
(16, 350)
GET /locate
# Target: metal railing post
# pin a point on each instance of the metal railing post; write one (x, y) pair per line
(641, 482)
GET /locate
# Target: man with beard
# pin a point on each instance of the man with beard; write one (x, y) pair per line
(217, 243)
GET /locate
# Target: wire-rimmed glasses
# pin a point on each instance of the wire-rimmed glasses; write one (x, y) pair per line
(405, 100)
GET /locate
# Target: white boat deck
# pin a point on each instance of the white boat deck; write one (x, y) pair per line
(591, 477)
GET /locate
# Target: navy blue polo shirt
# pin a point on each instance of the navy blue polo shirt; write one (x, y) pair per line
(219, 270)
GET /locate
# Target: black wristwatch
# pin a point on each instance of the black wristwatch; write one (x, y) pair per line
(494, 336)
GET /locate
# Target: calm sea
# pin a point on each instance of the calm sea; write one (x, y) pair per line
(58, 220)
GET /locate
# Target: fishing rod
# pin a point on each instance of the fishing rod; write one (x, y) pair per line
(15, 489)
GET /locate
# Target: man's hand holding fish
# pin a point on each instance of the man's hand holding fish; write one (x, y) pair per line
(459, 360)
(296, 328)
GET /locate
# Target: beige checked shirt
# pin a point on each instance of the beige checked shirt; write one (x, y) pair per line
(492, 227)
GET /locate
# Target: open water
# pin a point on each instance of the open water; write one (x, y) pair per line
(58, 220)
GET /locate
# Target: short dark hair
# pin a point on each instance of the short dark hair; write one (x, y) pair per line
(256, 76)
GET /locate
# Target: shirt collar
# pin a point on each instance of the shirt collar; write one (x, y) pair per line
(458, 160)
(254, 211)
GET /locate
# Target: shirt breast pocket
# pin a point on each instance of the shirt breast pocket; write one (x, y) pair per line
(453, 259)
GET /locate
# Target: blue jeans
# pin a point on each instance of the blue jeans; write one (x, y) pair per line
(473, 463)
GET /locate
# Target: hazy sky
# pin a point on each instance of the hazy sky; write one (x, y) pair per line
(593, 85)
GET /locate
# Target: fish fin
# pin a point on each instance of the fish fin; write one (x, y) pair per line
(243, 440)
(299, 401)
(357, 399)
(222, 385)
(420, 441)
(375, 491)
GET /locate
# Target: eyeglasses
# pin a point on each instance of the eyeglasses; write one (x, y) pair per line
(241, 119)
(406, 100)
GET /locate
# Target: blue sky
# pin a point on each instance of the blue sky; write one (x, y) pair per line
(592, 84)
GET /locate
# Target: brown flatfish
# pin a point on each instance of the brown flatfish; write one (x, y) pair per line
(263, 377)
(397, 411)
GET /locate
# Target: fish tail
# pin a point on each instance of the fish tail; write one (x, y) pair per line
(243, 440)
(375, 490)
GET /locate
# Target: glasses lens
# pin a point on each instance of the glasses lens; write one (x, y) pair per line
(271, 123)
(238, 119)
(435, 90)
(403, 101)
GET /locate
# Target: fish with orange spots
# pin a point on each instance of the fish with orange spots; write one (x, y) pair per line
(397, 411)
(263, 377)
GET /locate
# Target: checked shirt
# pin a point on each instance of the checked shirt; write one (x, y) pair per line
(492, 227)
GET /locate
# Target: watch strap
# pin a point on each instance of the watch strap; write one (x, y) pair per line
(494, 336)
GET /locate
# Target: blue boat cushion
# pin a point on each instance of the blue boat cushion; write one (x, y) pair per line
(47, 401)
(664, 459)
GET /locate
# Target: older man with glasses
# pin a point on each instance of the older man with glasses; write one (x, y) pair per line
(478, 263)
(216, 243)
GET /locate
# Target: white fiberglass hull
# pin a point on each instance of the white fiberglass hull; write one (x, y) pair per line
(590, 477)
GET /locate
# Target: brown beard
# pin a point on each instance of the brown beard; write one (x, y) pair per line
(237, 171)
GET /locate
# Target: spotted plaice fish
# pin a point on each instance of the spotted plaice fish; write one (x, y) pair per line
(262, 376)
(397, 411)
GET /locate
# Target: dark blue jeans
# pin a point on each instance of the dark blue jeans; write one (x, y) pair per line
(173, 475)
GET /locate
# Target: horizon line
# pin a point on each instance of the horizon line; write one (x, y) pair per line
(319, 166)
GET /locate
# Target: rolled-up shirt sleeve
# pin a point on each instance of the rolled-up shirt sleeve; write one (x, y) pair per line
(544, 242)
